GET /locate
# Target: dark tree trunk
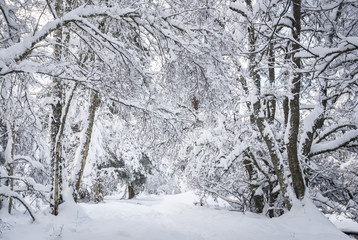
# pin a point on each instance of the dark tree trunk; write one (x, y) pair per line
(258, 199)
(131, 193)
(294, 110)
(271, 103)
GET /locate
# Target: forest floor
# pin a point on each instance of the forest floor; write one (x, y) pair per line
(170, 217)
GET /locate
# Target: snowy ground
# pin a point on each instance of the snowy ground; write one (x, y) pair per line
(172, 217)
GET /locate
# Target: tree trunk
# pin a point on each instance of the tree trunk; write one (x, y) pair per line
(56, 136)
(294, 109)
(131, 192)
(258, 199)
(10, 152)
(271, 102)
(60, 110)
(56, 162)
(260, 121)
(97, 187)
(88, 134)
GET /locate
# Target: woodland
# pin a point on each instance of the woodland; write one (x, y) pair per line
(253, 103)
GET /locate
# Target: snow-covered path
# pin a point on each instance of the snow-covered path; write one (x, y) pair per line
(172, 218)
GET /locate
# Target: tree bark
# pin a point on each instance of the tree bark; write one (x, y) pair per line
(56, 162)
(57, 124)
(294, 109)
(258, 199)
(88, 134)
(10, 151)
(271, 103)
(131, 192)
(260, 121)
(97, 187)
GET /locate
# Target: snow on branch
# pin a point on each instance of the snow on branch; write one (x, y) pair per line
(239, 8)
(309, 126)
(7, 192)
(29, 182)
(332, 129)
(328, 55)
(333, 145)
(7, 13)
(29, 160)
(21, 50)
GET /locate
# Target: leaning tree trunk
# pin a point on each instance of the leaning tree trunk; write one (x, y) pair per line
(86, 145)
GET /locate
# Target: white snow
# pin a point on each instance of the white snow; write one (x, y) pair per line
(168, 217)
(352, 40)
(344, 224)
(240, 8)
(12, 54)
(335, 144)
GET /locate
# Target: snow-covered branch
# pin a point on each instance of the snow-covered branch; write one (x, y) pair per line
(7, 192)
(332, 129)
(21, 50)
(329, 146)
